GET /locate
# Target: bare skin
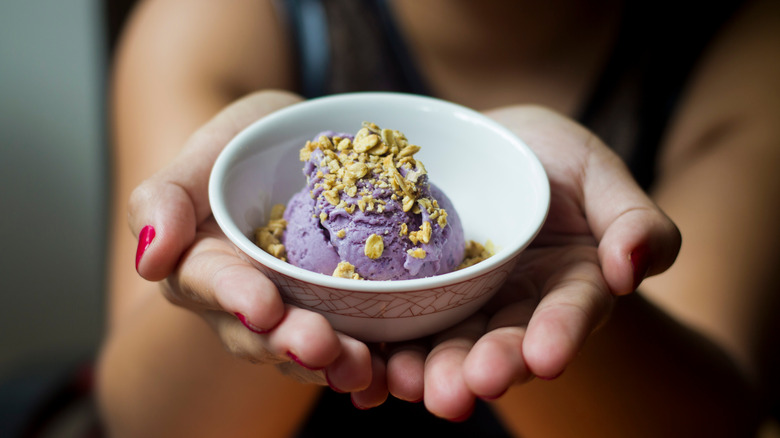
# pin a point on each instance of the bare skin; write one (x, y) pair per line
(701, 322)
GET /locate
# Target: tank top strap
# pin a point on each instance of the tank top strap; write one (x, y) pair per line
(350, 45)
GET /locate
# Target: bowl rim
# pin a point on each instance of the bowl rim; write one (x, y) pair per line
(228, 157)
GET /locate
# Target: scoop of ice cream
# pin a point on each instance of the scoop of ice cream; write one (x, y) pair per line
(368, 210)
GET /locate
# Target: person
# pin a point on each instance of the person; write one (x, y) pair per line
(684, 95)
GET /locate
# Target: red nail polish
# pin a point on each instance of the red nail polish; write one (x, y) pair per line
(332, 386)
(144, 240)
(640, 265)
(492, 397)
(253, 328)
(550, 377)
(463, 417)
(299, 362)
(362, 408)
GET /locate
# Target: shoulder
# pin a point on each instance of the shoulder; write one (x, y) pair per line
(236, 44)
(734, 89)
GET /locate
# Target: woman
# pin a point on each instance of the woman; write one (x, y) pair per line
(688, 355)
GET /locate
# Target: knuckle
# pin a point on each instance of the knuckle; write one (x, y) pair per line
(172, 293)
(139, 197)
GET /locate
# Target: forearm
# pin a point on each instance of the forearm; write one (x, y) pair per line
(641, 374)
(163, 372)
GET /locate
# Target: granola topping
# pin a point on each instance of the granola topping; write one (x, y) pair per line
(374, 172)
(375, 246)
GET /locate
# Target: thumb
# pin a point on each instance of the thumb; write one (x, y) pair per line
(636, 239)
(165, 210)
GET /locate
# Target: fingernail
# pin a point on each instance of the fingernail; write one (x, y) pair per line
(362, 408)
(550, 377)
(332, 386)
(253, 328)
(299, 362)
(640, 265)
(145, 238)
(463, 417)
(492, 397)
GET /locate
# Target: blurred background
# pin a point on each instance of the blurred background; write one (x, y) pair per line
(53, 189)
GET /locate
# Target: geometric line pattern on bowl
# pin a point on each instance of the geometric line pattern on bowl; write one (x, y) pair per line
(387, 304)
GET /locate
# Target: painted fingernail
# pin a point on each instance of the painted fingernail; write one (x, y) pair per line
(362, 408)
(253, 328)
(145, 238)
(492, 397)
(332, 386)
(299, 362)
(463, 417)
(550, 377)
(639, 263)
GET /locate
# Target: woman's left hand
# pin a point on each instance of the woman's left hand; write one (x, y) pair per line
(603, 235)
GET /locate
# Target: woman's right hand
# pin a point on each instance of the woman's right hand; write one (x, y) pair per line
(181, 246)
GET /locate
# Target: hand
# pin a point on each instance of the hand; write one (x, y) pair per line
(181, 245)
(603, 235)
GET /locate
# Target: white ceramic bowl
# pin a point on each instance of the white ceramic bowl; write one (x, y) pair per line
(494, 180)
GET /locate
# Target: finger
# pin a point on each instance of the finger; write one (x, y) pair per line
(376, 393)
(405, 371)
(165, 209)
(306, 338)
(576, 300)
(446, 393)
(635, 237)
(351, 371)
(496, 361)
(211, 276)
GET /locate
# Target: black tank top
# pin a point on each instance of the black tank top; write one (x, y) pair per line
(658, 46)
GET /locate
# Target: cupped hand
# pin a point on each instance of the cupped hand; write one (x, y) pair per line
(603, 236)
(182, 247)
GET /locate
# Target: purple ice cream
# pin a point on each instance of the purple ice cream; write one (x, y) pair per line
(369, 211)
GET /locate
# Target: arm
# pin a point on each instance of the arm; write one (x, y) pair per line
(162, 371)
(687, 356)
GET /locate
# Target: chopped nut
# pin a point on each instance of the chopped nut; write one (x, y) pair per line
(325, 143)
(277, 250)
(417, 253)
(409, 150)
(365, 143)
(342, 233)
(358, 170)
(372, 127)
(388, 137)
(264, 238)
(475, 253)
(323, 216)
(407, 203)
(424, 234)
(379, 149)
(277, 211)
(344, 144)
(267, 238)
(426, 204)
(375, 246)
(332, 196)
(442, 219)
(346, 270)
(276, 227)
(404, 229)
